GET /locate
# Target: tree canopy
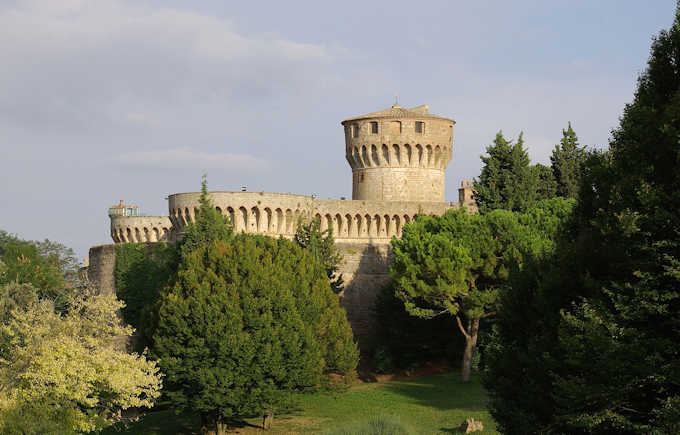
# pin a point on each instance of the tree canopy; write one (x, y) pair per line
(66, 372)
(247, 321)
(458, 263)
(587, 341)
(41, 264)
(567, 161)
(321, 246)
(508, 181)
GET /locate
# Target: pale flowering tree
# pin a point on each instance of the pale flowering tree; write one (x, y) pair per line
(66, 372)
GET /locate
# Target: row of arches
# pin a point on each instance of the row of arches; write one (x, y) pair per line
(283, 221)
(398, 155)
(139, 235)
(263, 220)
(350, 226)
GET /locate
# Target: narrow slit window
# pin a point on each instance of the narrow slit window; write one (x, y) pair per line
(374, 128)
(420, 127)
(355, 130)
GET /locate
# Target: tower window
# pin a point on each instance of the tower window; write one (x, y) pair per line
(420, 127)
(374, 128)
(355, 130)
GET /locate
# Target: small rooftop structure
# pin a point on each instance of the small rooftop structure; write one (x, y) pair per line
(123, 210)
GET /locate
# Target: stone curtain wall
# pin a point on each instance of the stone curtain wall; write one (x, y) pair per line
(277, 214)
(364, 268)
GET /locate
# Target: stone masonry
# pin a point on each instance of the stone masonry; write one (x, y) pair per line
(398, 158)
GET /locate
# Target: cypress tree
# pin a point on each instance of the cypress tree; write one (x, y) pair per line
(506, 181)
(567, 161)
(321, 245)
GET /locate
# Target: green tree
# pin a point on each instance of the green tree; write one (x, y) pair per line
(602, 356)
(25, 264)
(507, 180)
(546, 186)
(64, 372)
(142, 271)
(234, 336)
(210, 224)
(458, 263)
(321, 246)
(567, 161)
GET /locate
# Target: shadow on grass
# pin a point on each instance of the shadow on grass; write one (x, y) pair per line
(161, 422)
(156, 422)
(451, 430)
(443, 392)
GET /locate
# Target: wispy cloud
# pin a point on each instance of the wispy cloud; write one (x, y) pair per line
(187, 158)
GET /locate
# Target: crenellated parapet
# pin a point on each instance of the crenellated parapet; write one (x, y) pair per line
(277, 214)
(398, 154)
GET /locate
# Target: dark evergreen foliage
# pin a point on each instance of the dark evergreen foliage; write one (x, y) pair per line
(567, 161)
(587, 342)
(545, 184)
(409, 341)
(321, 246)
(247, 322)
(507, 180)
(209, 226)
(142, 271)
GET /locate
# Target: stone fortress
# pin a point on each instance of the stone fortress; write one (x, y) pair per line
(398, 158)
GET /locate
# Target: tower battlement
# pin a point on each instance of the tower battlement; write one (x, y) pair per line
(398, 154)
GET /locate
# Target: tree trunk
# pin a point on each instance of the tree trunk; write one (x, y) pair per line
(213, 425)
(268, 420)
(207, 426)
(470, 345)
(221, 427)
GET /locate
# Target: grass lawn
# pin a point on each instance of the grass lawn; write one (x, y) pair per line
(428, 405)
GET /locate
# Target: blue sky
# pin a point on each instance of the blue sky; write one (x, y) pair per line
(135, 100)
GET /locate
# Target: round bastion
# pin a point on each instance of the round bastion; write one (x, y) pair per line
(398, 154)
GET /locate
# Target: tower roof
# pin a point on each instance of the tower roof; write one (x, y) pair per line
(396, 111)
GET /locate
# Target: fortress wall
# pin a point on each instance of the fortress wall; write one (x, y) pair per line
(251, 212)
(364, 269)
(102, 262)
(277, 214)
(384, 183)
(137, 229)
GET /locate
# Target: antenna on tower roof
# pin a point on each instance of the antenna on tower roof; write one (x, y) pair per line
(396, 101)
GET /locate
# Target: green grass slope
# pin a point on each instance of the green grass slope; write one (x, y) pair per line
(428, 405)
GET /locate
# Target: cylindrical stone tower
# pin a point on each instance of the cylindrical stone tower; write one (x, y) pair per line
(398, 154)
